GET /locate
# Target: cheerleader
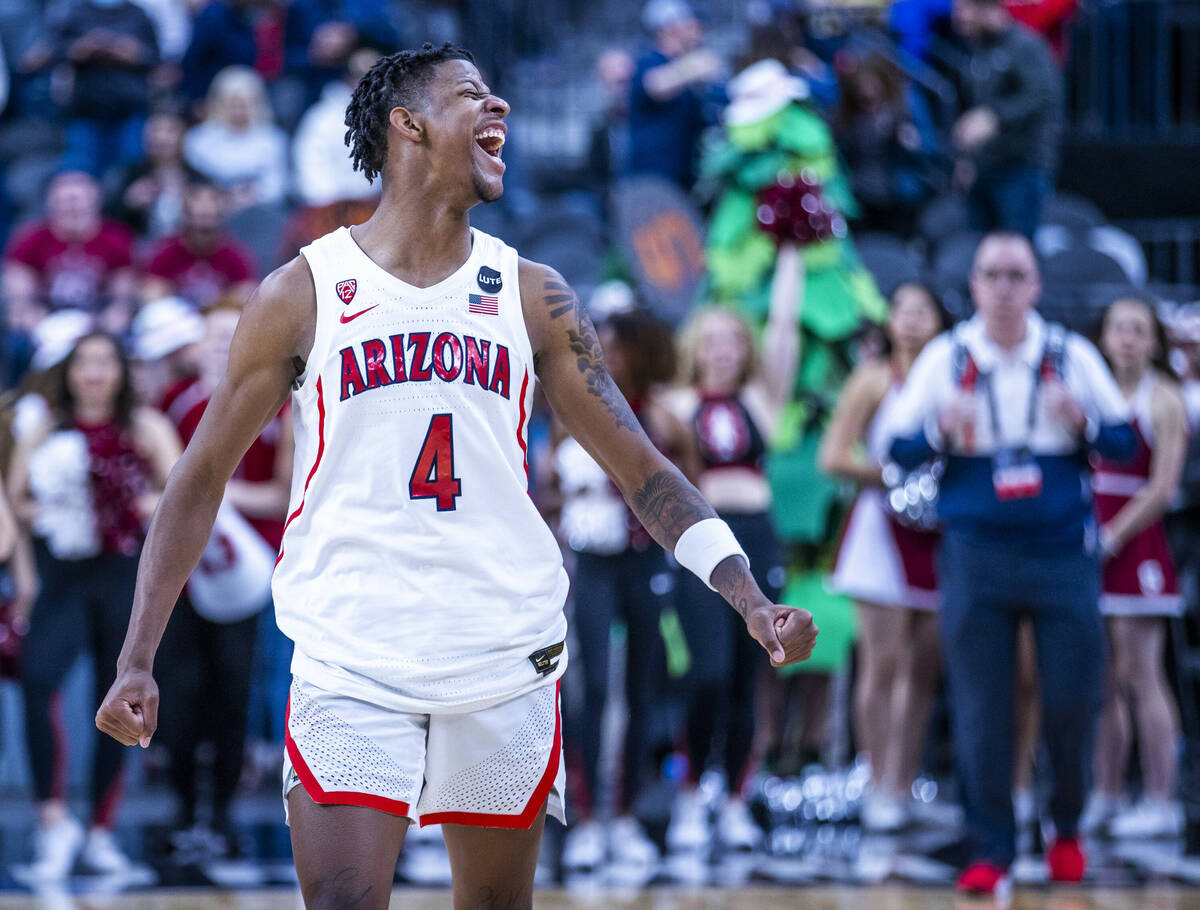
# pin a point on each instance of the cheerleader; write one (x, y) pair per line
(1139, 585)
(886, 567)
(731, 400)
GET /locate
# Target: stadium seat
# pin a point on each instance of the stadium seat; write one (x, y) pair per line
(1074, 305)
(889, 260)
(26, 178)
(1123, 247)
(1118, 245)
(955, 256)
(569, 242)
(1082, 266)
(1073, 212)
(944, 217)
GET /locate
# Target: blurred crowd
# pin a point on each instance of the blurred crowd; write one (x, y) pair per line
(1041, 466)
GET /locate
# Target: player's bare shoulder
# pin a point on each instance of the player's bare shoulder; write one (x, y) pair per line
(550, 306)
(281, 314)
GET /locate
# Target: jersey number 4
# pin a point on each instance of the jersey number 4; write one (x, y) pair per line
(433, 475)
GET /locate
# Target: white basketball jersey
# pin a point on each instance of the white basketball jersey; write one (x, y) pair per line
(415, 572)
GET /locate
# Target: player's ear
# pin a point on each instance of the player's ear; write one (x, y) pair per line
(407, 124)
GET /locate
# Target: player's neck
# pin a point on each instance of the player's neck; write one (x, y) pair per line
(418, 240)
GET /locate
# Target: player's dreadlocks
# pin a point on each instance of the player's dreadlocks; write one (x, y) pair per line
(396, 80)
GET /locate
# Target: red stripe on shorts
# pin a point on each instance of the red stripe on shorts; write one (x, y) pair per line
(532, 808)
(333, 797)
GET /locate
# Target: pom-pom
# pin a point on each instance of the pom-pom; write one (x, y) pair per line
(794, 210)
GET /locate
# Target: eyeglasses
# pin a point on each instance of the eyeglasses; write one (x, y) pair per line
(995, 276)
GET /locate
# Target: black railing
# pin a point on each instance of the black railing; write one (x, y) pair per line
(1134, 73)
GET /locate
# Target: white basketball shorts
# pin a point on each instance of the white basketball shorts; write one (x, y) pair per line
(491, 768)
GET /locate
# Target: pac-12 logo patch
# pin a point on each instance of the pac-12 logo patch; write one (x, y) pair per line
(489, 280)
(346, 289)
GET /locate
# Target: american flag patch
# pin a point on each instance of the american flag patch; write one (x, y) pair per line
(482, 303)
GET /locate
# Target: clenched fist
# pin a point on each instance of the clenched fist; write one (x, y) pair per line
(129, 712)
(787, 633)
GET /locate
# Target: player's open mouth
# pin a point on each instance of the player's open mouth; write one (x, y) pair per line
(490, 140)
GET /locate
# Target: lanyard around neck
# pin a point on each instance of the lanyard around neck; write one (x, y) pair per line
(985, 379)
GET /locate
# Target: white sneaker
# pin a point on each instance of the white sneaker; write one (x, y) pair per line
(736, 828)
(102, 854)
(1024, 807)
(1098, 812)
(883, 813)
(585, 845)
(690, 825)
(630, 844)
(1149, 818)
(55, 847)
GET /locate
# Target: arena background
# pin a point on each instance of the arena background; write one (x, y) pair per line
(1125, 212)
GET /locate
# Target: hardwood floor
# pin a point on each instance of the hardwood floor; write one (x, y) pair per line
(881, 898)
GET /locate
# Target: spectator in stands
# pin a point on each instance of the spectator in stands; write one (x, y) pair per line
(1139, 583)
(222, 36)
(1014, 405)
(731, 402)
(167, 355)
(887, 567)
(1049, 18)
(324, 171)
(84, 483)
(5, 204)
(201, 263)
(1008, 138)
(620, 575)
(210, 655)
(886, 136)
(608, 148)
(321, 35)
(150, 196)
(173, 28)
(237, 145)
(111, 48)
(667, 110)
(916, 22)
(73, 259)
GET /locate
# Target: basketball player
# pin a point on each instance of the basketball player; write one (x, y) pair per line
(422, 590)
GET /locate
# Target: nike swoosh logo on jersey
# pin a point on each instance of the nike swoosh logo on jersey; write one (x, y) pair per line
(344, 318)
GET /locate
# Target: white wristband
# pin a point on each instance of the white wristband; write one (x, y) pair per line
(704, 545)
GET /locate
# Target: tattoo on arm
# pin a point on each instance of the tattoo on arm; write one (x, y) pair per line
(589, 358)
(667, 505)
(733, 581)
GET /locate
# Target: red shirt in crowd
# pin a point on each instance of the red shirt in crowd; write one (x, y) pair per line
(1049, 18)
(258, 464)
(73, 273)
(201, 278)
(119, 476)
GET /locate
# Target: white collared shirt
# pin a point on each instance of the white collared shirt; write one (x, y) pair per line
(932, 385)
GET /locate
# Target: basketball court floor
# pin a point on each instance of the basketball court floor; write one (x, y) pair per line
(879, 898)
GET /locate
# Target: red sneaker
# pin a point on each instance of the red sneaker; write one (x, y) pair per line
(1066, 860)
(983, 878)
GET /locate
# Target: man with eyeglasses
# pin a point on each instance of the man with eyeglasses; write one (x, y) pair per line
(1014, 406)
